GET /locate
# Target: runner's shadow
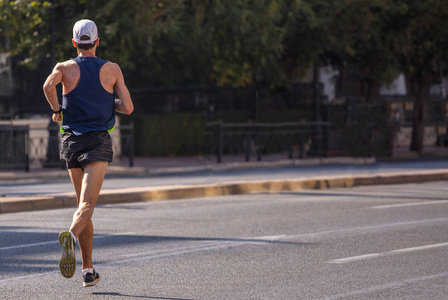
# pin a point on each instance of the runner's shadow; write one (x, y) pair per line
(134, 296)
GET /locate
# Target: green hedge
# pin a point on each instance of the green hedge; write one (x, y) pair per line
(231, 116)
(168, 134)
(285, 116)
(362, 131)
(264, 117)
(180, 134)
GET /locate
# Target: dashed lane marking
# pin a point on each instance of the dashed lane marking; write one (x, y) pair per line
(410, 204)
(387, 253)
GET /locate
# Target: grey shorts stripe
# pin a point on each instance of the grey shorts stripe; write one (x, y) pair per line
(78, 150)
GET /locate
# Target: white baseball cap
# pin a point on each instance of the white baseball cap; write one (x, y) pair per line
(85, 28)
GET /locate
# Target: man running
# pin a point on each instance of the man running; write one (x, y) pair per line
(87, 115)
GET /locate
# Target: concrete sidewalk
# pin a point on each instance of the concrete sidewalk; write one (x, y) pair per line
(176, 165)
(144, 166)
(184, 165)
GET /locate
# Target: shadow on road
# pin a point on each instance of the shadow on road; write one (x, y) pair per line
(40, 251)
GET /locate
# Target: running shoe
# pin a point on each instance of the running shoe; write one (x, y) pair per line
(90, 279)
(67, 264)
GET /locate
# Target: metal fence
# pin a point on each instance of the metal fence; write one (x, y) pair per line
(264, 138)
(14, 141)
(355, 138)
(23, 146)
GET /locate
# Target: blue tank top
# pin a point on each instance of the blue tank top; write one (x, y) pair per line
(88, 107)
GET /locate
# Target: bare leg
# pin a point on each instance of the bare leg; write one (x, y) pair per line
(85, 238)
(87, 185)
(76, 177)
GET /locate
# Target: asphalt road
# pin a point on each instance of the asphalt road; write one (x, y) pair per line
(41, 186)
(377, 242)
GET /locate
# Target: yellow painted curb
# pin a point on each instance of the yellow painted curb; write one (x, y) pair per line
(8, 205)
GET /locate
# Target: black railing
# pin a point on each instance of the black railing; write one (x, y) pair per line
(22, 146)
(127, 141)
(14, 141)
(263, 138)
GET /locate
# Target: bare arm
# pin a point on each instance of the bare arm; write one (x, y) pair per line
(123, 105)
(50, 91)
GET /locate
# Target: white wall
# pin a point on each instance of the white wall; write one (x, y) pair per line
(328, 77)
(395, 88)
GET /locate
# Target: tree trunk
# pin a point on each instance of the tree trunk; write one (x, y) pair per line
(418, 124)
(373, 92)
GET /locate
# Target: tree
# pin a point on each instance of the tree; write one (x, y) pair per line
(223, 43)
(246, 41)
(382, 37)
(125, 39)
(226, 43)
(23, 24)
(362, 38)
(421, 41)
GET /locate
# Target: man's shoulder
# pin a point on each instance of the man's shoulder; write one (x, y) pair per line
(110, 64)
(66, 64)
(111, 67)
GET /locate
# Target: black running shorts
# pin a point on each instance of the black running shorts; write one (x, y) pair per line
(78, 150)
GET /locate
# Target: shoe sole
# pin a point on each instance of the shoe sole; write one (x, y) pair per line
(89, 284)
(67, 264)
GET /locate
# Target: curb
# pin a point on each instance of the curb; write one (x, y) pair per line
(9, 205)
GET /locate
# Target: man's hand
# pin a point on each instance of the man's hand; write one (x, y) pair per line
(57, 117)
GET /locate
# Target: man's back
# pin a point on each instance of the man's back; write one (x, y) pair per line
(88, 106)
(68, 73)
(71, 75)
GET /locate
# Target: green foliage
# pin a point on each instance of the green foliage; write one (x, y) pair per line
(126, 39)
(237, 43)
(307, 37)
(232, 116)
(180, 42)
(363, 28)
(184, 133)
(225, 43)
(265, 116)
(246, 40)
(169, 134)
(24, 29)
(421, 35)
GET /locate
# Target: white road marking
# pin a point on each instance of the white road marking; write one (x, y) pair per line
(387, 286)
(27, 276)
(410, 204)
(207, 245)
(172, 252)
(387, 253)
(361, 230)
(269, 238)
